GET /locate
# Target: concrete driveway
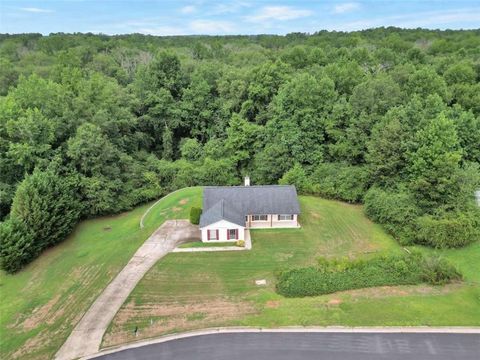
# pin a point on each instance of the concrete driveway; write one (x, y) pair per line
(86, 337)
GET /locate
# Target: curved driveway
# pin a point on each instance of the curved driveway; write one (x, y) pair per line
(309, 346)
(86, 337)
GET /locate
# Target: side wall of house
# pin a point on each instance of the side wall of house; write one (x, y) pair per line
(272, 222)
(222, 226)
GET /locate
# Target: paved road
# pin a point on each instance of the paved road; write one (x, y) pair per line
(309, 346)
(87, 335)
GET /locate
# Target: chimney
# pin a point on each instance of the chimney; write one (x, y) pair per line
(247, 180)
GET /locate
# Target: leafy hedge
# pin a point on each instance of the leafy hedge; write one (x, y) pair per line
(340, 181)
(396, 211)
(338, 275)
(195, 213)
(399, 215)
(454, 229)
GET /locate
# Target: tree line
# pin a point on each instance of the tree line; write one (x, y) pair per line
(95, 124)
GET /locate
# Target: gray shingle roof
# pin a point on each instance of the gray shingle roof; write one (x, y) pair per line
(233, 203)
(221, 211)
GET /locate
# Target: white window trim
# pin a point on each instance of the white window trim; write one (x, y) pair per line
(291, 217)
(253, 217)
(229, 237)
(209, 233)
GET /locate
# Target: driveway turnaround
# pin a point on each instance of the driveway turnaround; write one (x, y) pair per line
(86, 337)
(309, 346)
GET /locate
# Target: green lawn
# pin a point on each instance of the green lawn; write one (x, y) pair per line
(192, 290)
(41, 304)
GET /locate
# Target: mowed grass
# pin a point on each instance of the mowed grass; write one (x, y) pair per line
(185, 291)
(41, 304)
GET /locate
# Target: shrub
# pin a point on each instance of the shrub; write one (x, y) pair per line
(195, 213)
(46, 203)
(240, 243)
(44, 211)
(340, 181)
(17, 247)
(453, 229)
(339, 275)
(396, 211)
(296, 176)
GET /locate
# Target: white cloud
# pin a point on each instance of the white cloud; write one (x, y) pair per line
(278, 13)
(36, 10)
(346, 7)
(208, 27)
(189, 9)
(229, 8)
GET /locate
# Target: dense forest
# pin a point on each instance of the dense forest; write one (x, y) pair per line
(94, 124)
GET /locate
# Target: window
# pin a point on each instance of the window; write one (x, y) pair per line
(284, 217)
(259, 217)
(232, 234)
(212, 234)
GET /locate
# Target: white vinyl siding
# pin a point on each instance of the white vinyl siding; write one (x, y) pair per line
(221, 231)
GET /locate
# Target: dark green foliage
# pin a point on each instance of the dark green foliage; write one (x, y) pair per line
(340, 181)
(47, 204)
(17, 246)
(339, 275)
(296, 176)
(195, 215)
(448, 230)
(395, 210)
(44, 211)
(333, 113)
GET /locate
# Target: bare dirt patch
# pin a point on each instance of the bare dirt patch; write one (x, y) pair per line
(40, 315)
(33, 344)
(157, 319)
(184, 201)
(272, 304)
(334, 301)
(176, 209)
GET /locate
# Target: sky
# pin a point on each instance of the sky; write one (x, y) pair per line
(182, 17)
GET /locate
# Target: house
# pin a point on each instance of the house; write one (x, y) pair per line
(229, 210)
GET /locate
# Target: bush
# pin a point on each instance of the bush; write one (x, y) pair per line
(453, 229)
(340, 181)
(195, 213)
(17, 247)
(46, 203)
(339, 275)
(240, 243)
(44, 211)
(296, 176)
(396, 211)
